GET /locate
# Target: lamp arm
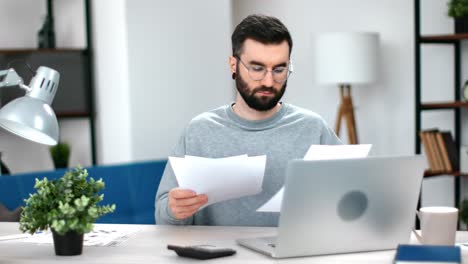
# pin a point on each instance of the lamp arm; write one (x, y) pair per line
(25, 87)
(11, 78)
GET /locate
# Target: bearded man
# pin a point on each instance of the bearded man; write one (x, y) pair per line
(256, 123)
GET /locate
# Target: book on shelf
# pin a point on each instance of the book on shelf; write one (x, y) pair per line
(435, 148)
(441, 150)
(407, 254)
(452, 150)
(423, 135)
(444, 152)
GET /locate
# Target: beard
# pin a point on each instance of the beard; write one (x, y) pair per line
(259, 103)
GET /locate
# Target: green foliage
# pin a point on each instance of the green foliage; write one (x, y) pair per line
(60, 154)
(65, 204)
(458, 8)
(463, 213)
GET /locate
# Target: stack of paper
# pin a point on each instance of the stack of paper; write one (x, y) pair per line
(220, 179)
(319, 152)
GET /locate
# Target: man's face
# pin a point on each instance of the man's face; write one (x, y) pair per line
(261, 95)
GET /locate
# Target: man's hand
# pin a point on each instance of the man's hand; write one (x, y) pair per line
(184, 203)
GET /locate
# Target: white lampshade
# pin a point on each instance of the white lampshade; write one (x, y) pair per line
(32, 119)
(31, 116)
(347, 57)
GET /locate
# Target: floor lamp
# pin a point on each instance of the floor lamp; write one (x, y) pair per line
(347, 58)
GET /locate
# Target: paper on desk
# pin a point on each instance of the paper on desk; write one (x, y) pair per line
(220, 179)
(14, 237)
(100, 236)
(319, 152)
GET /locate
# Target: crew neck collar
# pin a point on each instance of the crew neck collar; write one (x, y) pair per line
(256, 124)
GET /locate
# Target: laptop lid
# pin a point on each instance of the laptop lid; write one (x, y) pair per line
(350, 205)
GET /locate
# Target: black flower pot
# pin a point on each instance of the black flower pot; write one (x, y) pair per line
(461, 25)
(69, 244)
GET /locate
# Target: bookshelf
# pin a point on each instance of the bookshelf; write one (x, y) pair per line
(454, 106)
(451, 173)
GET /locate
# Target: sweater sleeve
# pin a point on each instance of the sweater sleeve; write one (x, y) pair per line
(163, 214)
(328, 136)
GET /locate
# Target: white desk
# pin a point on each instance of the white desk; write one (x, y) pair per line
(149, 246)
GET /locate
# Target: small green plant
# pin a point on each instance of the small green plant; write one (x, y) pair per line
(69, 203)
(60, 154)
(458, 8)
(463, 212)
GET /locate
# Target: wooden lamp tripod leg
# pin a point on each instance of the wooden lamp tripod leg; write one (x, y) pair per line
(346, 111)
(340, 114)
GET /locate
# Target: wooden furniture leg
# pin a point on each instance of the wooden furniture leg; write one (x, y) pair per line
(346, 112)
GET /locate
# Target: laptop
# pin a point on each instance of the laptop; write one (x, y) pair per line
(344, 206)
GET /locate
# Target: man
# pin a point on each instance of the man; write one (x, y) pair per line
(257, 123)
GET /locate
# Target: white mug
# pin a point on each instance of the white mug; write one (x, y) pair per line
(438, 225)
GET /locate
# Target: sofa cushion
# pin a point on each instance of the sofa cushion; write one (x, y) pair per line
(131, 187)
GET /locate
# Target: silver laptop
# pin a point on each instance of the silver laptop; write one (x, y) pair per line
(343, 206)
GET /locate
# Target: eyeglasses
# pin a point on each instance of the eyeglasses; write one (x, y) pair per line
(258, 72)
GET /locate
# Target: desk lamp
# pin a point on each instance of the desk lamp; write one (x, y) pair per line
(31, 116)
(344, 59)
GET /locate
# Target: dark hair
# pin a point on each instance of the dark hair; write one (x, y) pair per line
(261, 28)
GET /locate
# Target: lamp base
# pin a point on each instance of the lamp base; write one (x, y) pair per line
(346, 112)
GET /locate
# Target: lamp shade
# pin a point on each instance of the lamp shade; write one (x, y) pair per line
(347, 58)
(31, 116)
(32, 119)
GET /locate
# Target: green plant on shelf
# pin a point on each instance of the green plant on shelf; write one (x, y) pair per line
(60, 154)
(458, 8)
(463, 213)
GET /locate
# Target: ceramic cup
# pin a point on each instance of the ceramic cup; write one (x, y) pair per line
(438, 225)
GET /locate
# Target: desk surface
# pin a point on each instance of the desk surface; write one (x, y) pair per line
(149, 246)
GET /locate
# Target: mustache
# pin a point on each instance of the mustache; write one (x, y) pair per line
(264, 89)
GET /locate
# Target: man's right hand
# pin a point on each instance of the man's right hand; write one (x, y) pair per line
(184, 203)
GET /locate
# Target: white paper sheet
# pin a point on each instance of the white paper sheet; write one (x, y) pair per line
(327, 152)
(274, 204)
(319, 152)
(220, 179)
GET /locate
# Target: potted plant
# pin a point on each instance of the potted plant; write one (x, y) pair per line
(60, 155)
(68, 206)
(458, 9)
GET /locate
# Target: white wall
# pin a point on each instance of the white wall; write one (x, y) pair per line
(178, 68)
(21, 20)
(112, 91)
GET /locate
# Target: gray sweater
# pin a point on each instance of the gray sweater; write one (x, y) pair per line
(220, 133)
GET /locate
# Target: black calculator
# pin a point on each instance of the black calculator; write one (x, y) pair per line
(202, 251)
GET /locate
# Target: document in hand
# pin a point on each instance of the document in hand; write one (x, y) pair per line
(220, 179)
(319, 152)
(328, 152)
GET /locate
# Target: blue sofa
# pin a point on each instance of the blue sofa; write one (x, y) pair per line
(131, 187)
